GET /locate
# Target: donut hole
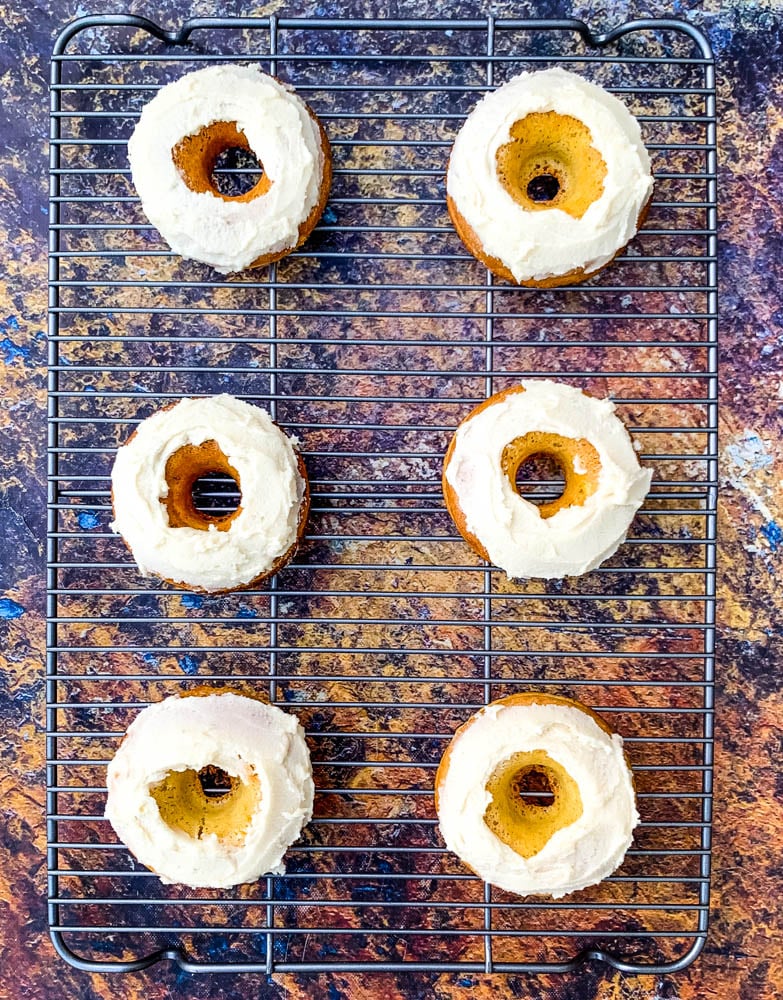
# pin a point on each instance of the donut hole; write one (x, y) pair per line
(540, 478)
(204, 489)
(551, 162)
(533, 786)
(207, 802)
(204, 158)
(235, 172)
(539, 464)
(532, 797)
(215, 782)
(216, 495)
(543, 187)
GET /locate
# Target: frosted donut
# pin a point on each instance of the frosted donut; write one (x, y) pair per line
(177, 141)
(158, 807)
(152, 481)
(550, 846)
(548, 179)
(604, 484)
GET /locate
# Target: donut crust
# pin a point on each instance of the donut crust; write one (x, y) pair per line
(497, 267)
(548, 144)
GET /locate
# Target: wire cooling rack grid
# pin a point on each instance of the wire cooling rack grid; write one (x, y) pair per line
(371, 343)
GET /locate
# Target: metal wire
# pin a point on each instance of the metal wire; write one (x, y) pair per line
(371, 343)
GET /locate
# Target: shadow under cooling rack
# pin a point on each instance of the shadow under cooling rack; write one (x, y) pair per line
(370, 343)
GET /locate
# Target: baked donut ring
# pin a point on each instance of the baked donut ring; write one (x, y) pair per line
(604, 484)
(152, 495)
(551, 845)
(548, 179)
(158, 807)
(176, 144)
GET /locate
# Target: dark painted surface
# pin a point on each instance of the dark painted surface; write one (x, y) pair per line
(744, 953)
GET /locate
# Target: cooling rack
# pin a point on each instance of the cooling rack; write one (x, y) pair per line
(370, 344)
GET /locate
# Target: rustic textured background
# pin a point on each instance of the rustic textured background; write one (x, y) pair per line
(744, 953)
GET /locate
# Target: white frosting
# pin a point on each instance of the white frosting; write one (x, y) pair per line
(538, 244)
(245, 738)
(575, 856)
(517, 539)
(271, 485)
(229, 235)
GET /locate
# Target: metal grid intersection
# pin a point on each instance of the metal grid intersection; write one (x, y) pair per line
(370, 343)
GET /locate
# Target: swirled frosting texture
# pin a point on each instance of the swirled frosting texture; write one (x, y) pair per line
(575, 856)
(535, 245)
(282, 135)
(517, 539)
(244, 737)
(270, 482)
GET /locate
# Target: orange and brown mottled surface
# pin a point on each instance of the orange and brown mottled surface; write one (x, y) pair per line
(743, 956)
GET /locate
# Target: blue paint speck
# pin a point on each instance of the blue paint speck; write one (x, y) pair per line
(773, 534)
(87, 520)
(10, 609)
(334, 994)
(182, 978)
(9, 349)
(12, 351)
(246, 613)
(749, 454)
(329, 216)
(464, 981)
(189, 665)
(286, 888)
(150, 659)
(721, 38)
(191, 601)
(218, 948)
